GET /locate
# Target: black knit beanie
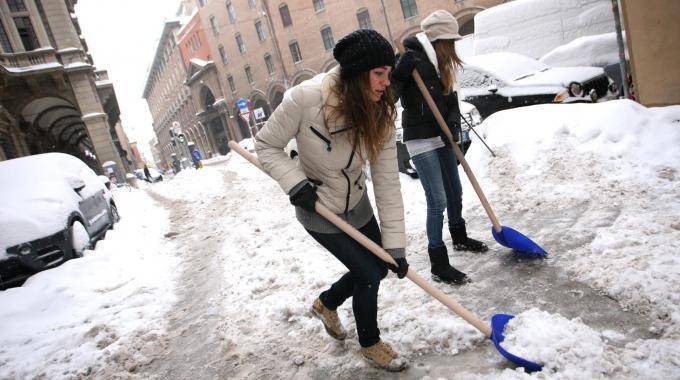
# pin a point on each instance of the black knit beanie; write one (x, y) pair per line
(362, 50)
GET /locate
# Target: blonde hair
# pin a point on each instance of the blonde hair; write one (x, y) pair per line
(448, 61)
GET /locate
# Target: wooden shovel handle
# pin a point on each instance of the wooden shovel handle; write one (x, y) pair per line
(382, 254)
(456, 150)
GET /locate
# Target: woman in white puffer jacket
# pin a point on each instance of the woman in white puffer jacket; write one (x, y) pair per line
(340, 121)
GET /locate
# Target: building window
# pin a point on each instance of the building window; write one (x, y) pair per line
(318, 5)
(252, 3)
(285, 15)
(327, 36)
(26, 32)
(223, 54)
(16, 5)
(270, 64)
(364, 19)
(409, 8)
(232, 85)
(213, 25)
(231, 11)
(4, 40)
(249, 75)
(295, 52)
(241, 45)
(260, 31)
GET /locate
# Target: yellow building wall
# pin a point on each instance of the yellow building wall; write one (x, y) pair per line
(653, 33)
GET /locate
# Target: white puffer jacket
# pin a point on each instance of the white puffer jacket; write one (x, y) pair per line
(326, 155)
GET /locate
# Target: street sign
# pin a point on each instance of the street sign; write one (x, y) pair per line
(242, 105)
(259, 113)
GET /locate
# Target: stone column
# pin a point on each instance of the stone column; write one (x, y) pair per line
(95, 119)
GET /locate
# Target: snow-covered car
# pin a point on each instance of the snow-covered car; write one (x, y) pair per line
(469, 117)
(600, 50)
(155, 174)
(499, 81)
(52, 208)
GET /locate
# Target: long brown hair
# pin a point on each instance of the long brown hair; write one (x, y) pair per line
(448, 62)
(372, 122)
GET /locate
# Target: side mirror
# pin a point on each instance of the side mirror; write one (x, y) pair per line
(492, 88)
(76, 183)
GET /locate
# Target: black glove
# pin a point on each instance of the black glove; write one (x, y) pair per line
(407, 63)
(401, 269)
(305, 197)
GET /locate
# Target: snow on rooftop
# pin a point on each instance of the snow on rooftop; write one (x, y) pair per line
(39, 67)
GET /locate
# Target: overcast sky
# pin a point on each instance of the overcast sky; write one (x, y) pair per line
(122, 36)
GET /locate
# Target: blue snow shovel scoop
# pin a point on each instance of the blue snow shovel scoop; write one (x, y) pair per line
(498, 321)
(505, 236)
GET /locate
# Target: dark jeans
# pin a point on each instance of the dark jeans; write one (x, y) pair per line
(438, 171)
(361, 282)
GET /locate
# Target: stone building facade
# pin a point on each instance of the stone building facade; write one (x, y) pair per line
(169, 100)
(254, 50)
(52, 98)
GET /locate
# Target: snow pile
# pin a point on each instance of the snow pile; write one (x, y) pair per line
(557, 343)
(599, 50)
(67, 321)
(600, 182)
(534, 27)
(192, 185)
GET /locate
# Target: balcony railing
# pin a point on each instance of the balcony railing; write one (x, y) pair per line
(29, 58)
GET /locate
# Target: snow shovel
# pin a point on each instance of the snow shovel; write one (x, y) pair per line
(498, 321)
(505, 236)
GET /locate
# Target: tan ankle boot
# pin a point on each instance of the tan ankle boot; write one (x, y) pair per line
(330, 320)
(383, 356)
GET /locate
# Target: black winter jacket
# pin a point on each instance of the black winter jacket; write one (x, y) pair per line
(417, 120)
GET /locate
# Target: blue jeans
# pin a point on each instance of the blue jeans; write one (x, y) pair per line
(361, 282)
(438, 172)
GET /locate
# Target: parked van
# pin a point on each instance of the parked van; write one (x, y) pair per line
(535, 27)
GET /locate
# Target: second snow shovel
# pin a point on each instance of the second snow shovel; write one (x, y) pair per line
(505, 236)
(498, 321)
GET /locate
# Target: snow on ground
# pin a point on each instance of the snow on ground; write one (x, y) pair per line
(597, 184)
(195, 184)
(617, 164)
(613, 167)
(69, 320)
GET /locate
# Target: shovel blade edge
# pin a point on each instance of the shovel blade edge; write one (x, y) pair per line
(498, 323)
(513, 239)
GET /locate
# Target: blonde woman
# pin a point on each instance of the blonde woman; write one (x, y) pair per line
(340, 121)
(433, 54)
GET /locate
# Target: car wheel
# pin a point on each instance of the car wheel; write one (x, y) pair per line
(115, 216)
(80, 239)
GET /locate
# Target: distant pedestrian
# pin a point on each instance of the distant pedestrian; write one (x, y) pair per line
(340, 121)
(196, 157)
(433, 54)
(147, 174)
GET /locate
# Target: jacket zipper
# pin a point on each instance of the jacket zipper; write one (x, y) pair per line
(349, 183)
(356, 183)
(322, 137)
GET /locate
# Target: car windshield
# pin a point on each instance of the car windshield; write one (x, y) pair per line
(508, 67)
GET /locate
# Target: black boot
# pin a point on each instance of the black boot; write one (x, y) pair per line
(442, 271)
(461, 242)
